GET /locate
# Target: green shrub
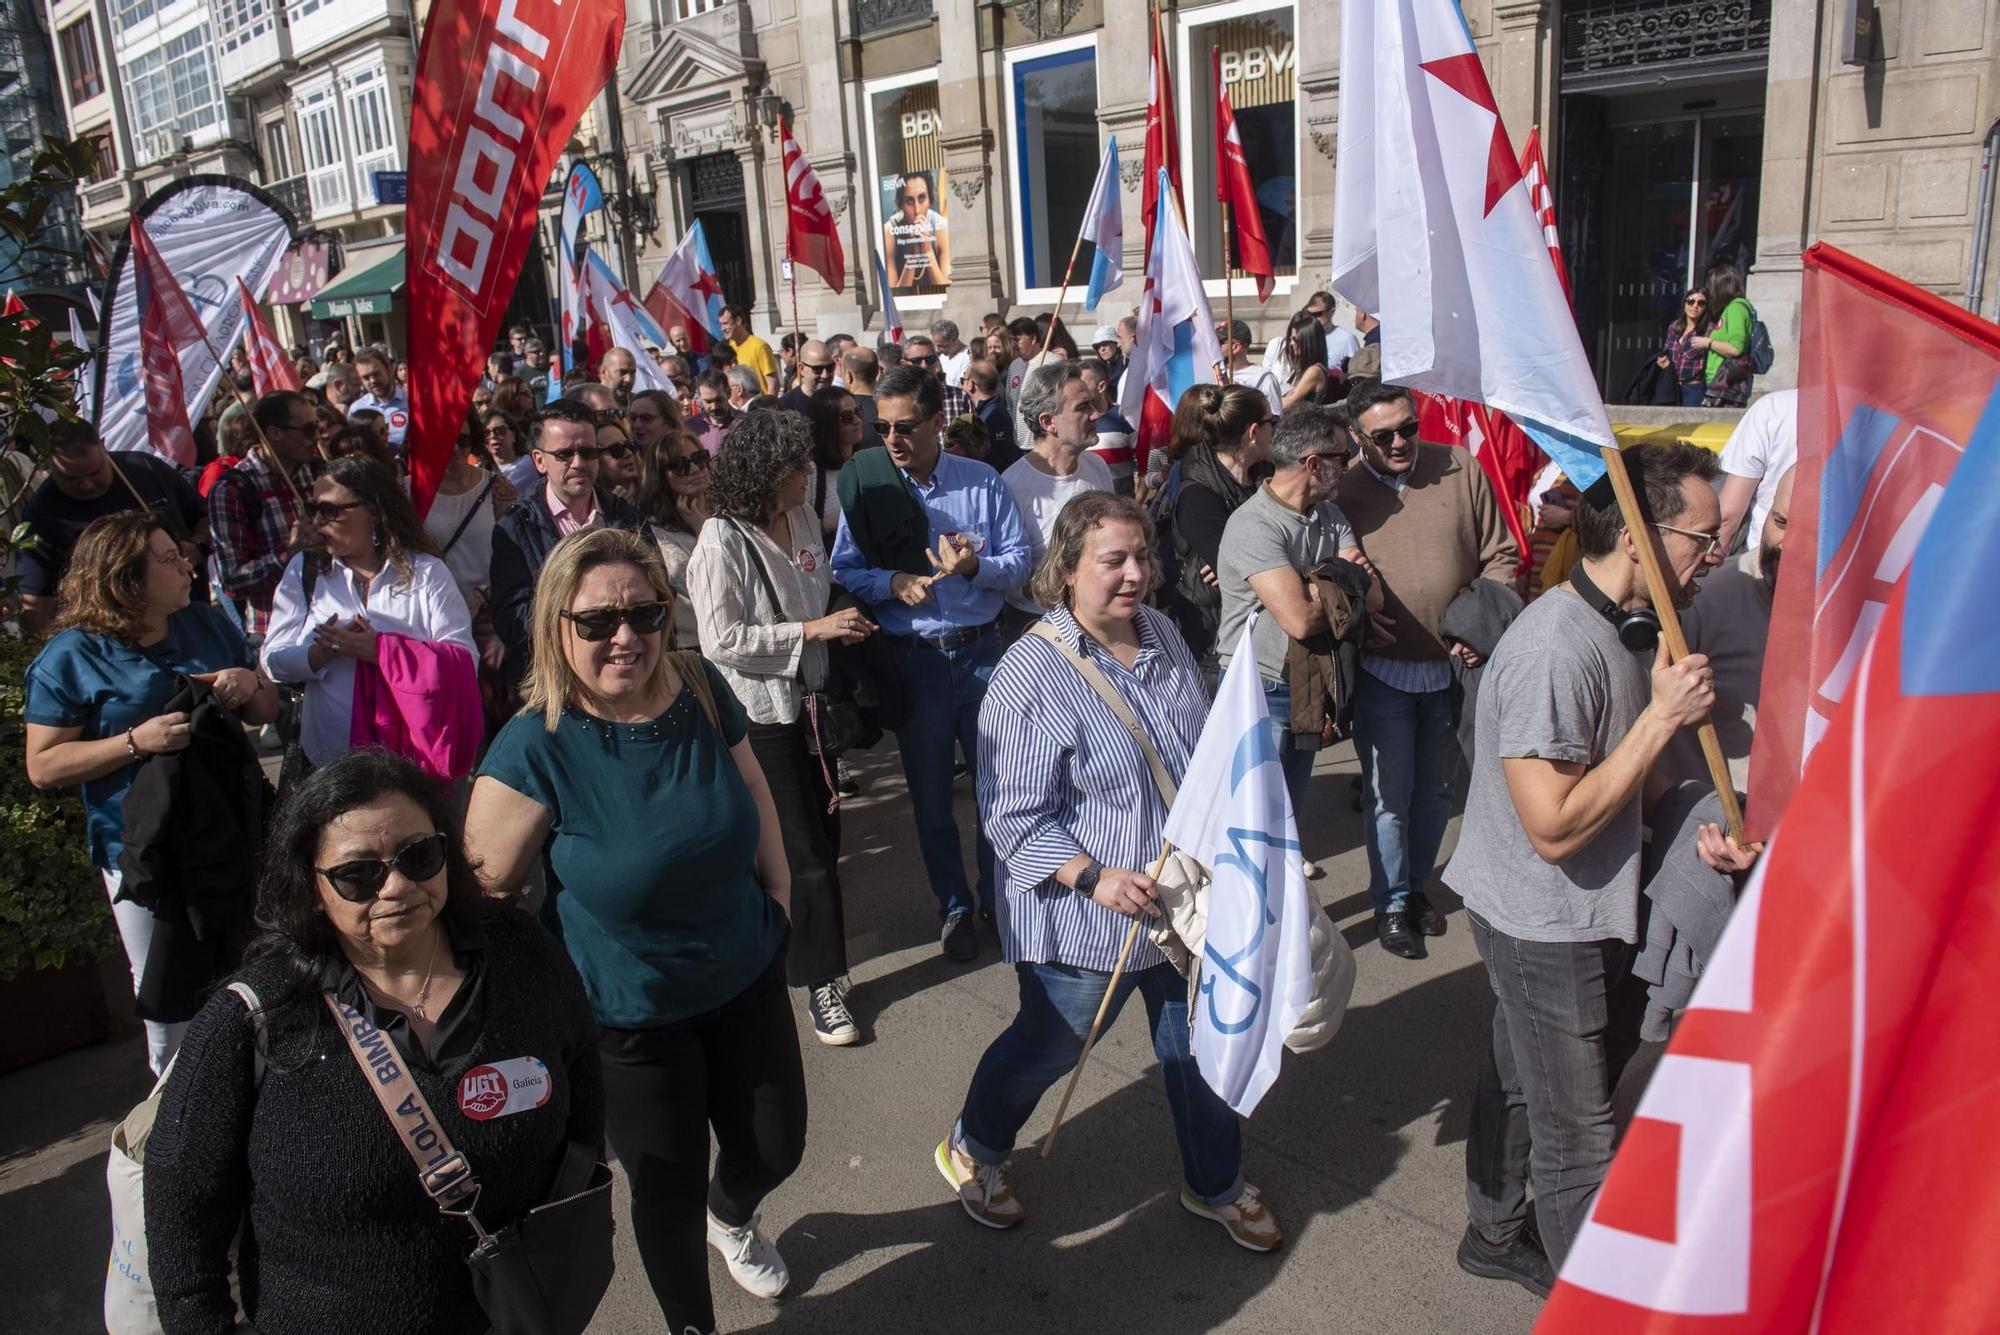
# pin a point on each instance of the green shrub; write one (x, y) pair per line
(52, 904)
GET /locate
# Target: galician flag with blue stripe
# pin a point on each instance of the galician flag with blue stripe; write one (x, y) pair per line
(1104, 228)
(1176, 345)
(1434, 232)
(1234, 817)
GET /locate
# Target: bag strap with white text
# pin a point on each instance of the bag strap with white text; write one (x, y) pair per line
(446, 1176)
(1094, 677)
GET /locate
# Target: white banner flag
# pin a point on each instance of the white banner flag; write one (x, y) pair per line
(1234, 817)
(210, 231)
(626, 321)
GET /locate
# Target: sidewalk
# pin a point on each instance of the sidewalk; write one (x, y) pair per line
(1359, 1149)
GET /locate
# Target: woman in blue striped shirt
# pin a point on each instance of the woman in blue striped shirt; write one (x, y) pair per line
(1069, 801)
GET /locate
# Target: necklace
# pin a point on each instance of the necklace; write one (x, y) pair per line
(424, 991)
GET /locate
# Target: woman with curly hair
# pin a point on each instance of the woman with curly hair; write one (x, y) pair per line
(760, 583)
(97, 695)
(377, 572)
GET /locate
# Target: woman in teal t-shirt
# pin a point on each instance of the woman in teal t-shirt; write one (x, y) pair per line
(97, 696)
(1728, 366)
(629, 769)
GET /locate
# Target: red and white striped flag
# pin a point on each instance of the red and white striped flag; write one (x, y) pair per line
(811, 235)
(1234, 187)
(1162, 145)
(270, 368)
(1542, 199)
(167, 324)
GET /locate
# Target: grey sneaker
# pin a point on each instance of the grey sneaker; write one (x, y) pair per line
(833, 1023)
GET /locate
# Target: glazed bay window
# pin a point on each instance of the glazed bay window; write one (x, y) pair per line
(1053, 100)
(912, 212)
(371, 119)
(1259, 66)
(79, 61)
(327, 178)
(173, 88)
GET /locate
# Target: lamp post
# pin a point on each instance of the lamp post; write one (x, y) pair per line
(772, 109)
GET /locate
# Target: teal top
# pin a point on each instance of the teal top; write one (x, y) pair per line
(105, 686)
(1734, 329)
(653, 836)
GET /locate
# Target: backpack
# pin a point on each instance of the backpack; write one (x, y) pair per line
(1760, 352)
(129, 1307)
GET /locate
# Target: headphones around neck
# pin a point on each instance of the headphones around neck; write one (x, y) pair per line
(1638, 627)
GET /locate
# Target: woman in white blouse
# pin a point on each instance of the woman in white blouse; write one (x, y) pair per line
(377, 571)
(759, 582)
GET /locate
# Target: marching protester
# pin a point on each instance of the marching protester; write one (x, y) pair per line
(269, 1124)
(676, 506)
(507, 444)
(256, 512)
(617, 370)
(85, 482)
(837, 432)
(760, 583)
(359, 438)
(98, 705)
(1114, 447)
(652, 416)
(953, 355)
(1067, 790)
(375, 572)
(932, 543)
(563, 443)
(990, 406)
(861, 369)
(630, 768)
(1302, 372)
(1062, 418)
(1430, 524)
(812, 371)
(1222, 440)
(1272, 549)
(1548, 860)
(1235, 339)
(624, 466)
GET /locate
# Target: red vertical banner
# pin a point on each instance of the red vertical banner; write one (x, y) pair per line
(500, 87)
(1234, 188)
(167, 324)
(1162, 140)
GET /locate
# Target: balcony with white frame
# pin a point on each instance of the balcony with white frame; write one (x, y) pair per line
(319, 23)
(252, 42)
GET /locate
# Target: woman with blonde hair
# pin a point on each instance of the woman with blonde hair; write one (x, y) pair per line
(98, 696)
(630, 770)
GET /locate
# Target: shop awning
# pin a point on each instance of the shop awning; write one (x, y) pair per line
(366, 288)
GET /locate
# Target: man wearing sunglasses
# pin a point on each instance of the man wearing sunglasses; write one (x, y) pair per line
(254, 516)
(933, 543)
(563, 444)
(1432, 526)
(814, 369)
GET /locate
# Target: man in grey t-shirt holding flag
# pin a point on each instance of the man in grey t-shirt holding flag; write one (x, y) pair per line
(1567, 736)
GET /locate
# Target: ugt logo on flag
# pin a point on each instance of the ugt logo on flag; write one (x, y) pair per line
(1234, 817)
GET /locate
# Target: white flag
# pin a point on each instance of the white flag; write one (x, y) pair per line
(1234, 817)
(626, 321)
(1434, 232)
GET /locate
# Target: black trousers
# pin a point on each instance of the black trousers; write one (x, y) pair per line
(812, 847)
(735, 1068)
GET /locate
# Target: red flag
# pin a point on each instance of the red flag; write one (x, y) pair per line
(1815, 1152)
(1877, 444)
(1162, 143)
(1542, 199)
(1506, 454)
(811, 236)
(1233, 187)
(500, 85)
(167, 324)
(270, 368)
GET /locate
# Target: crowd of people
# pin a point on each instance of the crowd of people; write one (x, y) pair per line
(563, 763)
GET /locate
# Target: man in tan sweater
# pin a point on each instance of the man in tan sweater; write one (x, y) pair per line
(1429, 521)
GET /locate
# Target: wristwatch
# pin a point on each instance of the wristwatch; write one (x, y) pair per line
(1086, 880)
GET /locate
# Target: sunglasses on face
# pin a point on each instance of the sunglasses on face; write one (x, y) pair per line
(1389, 435)
(361, 880)
(850, 418)
(1339, 457)
(329, 512)
(817, 368)
(906, 427)
(587, 453)
(601, 623)
(687, 463)
(922, 361)
(615, 451)
(1695, 301)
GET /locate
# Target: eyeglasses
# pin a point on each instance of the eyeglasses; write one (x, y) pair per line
(1389, 435)
(687, 463)
(615, 451)
(1339, 457)
(850, 418)
(329, 512)
(1710, 542)
(361, 880)
(921, 361)
(587, 453)
(1695, 301)
(176, 558)
(817, 368)
(907, 427)
(601, 623)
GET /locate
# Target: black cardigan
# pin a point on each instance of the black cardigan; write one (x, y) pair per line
(340, 1236)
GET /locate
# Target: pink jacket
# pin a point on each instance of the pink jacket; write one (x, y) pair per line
(420, 699)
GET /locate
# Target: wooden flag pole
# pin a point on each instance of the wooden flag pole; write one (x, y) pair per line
(1063, 295)
(1654, 570)
(270, 450)
(1090, 1040)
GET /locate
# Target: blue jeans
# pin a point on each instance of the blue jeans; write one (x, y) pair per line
(1407, 750)
(1058, 1002)
(1297, 764)
(1691, 394)
(944, 688)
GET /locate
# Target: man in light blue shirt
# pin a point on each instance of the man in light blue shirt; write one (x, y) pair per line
(383, 397)
(942, 626)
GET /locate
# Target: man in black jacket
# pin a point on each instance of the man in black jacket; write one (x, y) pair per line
(564, 441)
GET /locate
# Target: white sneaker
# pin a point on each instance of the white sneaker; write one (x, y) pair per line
(753, 1262)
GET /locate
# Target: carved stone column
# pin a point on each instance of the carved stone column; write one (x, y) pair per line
(1522, 70)
(1319, 115)
(969, 91)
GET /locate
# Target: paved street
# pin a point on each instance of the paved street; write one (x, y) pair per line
(1359, 1148)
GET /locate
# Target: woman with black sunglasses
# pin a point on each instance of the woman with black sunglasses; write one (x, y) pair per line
(675, 502)
(630, 771)
(268, 1123)
(377, 572)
